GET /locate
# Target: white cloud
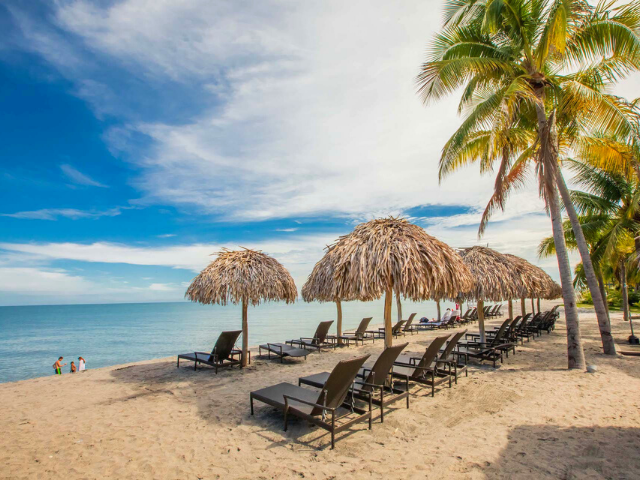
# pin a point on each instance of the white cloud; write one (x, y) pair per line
(162, 287)
(55, 213)
(78, 177)
(167, 235)
(286, 229)
(41, 281)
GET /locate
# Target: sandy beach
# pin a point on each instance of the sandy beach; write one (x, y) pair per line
(529, 418)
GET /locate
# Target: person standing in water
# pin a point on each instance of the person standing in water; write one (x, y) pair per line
(81, 364)
(58, 366)
(73, 368)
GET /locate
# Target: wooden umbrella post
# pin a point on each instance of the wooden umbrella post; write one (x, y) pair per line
(481, 320)
(438, 306)
(523, 307)
(399, 305)
(533, 306)
(388, 337)
(538, 304)
(339, 321)
(510, 309)
(245, 334)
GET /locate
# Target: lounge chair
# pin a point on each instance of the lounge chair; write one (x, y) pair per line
(313, 406)
(282, 350)
(491, 350)
(396, 330)
(223, 354)
(451, 358)
(319, 339)
(408, 327)
(360, 335)
(423, 369)
(375, 380)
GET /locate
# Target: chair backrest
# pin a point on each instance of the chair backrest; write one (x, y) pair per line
(512, 326)
(322, 331)
(407, 325)
(497, 312)
(364, 324)
(467, 314)
(396, 328)
(337, 385)
(498, 338)
(486, 309)
(474, 313)
(380, 370)
(224, 345)
(495, 309)
(451, 345)
(430, 355)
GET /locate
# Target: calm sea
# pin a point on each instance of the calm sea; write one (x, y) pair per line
(33, 337)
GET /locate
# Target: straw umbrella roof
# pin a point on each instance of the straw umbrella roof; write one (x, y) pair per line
(391, 253)
(248, 275)
(537, 283)
(321, 285)
(496, 277)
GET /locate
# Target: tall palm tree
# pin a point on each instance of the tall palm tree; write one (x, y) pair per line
(609, 207)
(526, 67)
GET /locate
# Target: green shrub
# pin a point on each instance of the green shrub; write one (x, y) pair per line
(585, 297)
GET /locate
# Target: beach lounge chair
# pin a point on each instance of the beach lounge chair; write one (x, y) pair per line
(319, 339)
(408, 327)
(223, 354)
(396, 330)
(423, 369)
(360, 335)
(491, 350)
(282, 350)
(449, 357)
(316, 407)
(376, 381)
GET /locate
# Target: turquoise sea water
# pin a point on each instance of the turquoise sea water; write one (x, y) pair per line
(33, 337)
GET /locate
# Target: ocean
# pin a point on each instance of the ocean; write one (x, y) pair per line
(33, 337)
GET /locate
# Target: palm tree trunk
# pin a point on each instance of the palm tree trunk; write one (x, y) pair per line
(339, 320)
(388, 298)
(245, 333)
(399, 306)
(603, 292)
(608, 344)
(625, 291)
(481, 320)
(575, 352)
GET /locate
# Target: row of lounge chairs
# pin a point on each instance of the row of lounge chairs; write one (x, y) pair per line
(346, 395)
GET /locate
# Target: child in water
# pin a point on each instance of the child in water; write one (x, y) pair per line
(73, 368)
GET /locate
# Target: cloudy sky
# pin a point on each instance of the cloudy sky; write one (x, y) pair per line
(141, 136)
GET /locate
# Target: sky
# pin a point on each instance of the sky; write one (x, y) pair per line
(142, 136)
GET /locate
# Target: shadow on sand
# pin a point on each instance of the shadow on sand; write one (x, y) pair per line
(548, 451)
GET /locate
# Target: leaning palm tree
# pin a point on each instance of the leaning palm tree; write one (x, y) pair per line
(609, 207)
(526, 67)
(242, 276)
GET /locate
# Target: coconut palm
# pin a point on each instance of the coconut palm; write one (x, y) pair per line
(609, 208)
(534, 75)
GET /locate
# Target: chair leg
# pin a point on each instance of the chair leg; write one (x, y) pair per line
(286, 414)
(382, 406)
(251, 398)
(178, 365)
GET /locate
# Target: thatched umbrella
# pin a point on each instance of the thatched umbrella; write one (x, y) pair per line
(242, 276)
(321, 286)
(495, 277)
(390, 255)
(536, 282)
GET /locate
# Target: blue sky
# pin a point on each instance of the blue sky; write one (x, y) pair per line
(139, 137)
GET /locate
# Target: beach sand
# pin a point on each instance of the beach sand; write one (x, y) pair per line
(530, 418)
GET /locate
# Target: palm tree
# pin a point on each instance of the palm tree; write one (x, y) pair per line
(609, 208)
(527, 67)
